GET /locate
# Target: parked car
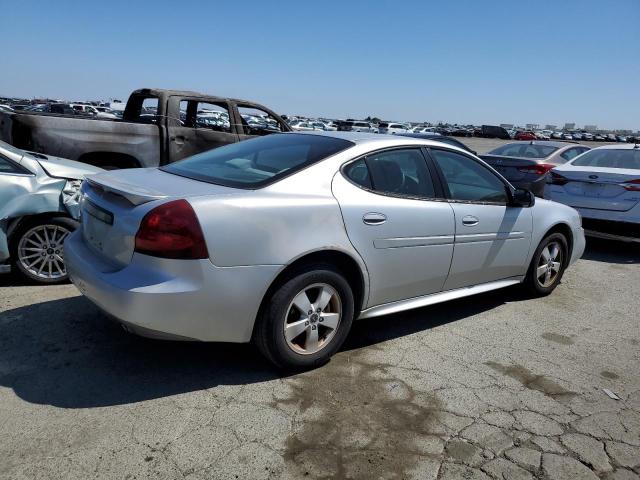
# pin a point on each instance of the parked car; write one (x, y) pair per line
(526, 164)
(621, 138)
(211, 248)
(460, 132)
(556, 135)
(150, 133)
(38, 209)
(541, 135)
(392, 128)
(567, 136)
(439, 138)
(598, 138)
(586, 136)
(492, 131)
(355, 126)
(303, 126)
(603, 184)
(524, 135)
(611, 137)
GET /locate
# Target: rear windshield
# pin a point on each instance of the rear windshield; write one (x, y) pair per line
(524, 150)
(610, 158)
(258, 162)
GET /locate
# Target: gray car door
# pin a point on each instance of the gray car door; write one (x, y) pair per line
(398, 222)
(492, 239)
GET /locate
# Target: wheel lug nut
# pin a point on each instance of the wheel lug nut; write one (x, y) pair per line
(306, 324)
(310, 312)
(318, 310)
(321, 319)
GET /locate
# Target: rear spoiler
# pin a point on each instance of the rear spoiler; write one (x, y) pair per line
(135, 194)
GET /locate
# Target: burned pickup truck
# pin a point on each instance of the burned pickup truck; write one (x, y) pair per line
(157, 127)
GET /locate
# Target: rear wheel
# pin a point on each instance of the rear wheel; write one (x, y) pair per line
(307, 319)
(37, 249)
(548, 265)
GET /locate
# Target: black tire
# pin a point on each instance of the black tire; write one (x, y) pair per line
(269, 331)
(23, 229)
(532, 283)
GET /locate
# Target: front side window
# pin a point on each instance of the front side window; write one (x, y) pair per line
(258, 162)
(610, 158)
(396, 172)
(468, 180)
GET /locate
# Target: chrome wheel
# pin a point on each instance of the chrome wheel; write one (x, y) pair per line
(549, 264)
(312, 318)
(40, 251)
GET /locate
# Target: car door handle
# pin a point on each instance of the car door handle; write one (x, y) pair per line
(374, 218)
(470, 221)
(179, 139)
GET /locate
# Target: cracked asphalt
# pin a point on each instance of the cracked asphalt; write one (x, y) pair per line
(495, 386)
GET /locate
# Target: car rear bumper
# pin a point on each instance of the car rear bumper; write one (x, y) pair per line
(172, 299)
(579, 244)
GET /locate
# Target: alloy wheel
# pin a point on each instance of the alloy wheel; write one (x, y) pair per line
(312, 318)
(549, 264)
(40, 251)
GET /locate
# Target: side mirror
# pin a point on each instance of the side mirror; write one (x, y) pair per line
(523, 198)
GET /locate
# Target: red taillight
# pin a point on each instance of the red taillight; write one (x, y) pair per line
(171, 230)
(632, 185)
(539, 169)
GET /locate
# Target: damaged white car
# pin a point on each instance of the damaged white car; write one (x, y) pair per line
(38, 208)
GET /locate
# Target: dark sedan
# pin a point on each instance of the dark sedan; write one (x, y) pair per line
(527, 164)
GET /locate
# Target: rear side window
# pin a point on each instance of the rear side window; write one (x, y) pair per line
(258, 122)
(358, 173)
(397, 172)
(258, 162)
(468, 180)
(610, 158)
(571, 153)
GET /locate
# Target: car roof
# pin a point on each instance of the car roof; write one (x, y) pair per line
(624, 146)
(548, 143)
(363, 138)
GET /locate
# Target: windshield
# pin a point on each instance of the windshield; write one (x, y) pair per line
(524, 150)
(258, 162)
(610, 158)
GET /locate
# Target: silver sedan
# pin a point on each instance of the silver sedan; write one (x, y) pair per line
(286, 239)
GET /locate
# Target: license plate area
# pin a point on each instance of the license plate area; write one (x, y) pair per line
(97, 212)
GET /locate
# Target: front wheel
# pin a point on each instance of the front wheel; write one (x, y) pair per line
(306, 320)
(37, 249)
(548, 264)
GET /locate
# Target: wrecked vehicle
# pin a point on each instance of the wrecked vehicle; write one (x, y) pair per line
(39, 208)
(157, 127)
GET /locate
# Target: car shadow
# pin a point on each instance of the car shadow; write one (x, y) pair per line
(66, 353)
(611, 251)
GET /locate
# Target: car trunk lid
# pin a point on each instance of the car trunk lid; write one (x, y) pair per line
(114, 204)
(597, 188)
(513, 168)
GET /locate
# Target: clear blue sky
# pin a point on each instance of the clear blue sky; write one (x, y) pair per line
(493, 61)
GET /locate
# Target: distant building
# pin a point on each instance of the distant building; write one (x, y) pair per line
(507, 126)
(569, 126)
(532, 126)
(550, 127)
(591, 128)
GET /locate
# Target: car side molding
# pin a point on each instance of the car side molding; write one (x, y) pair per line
(423, 301)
